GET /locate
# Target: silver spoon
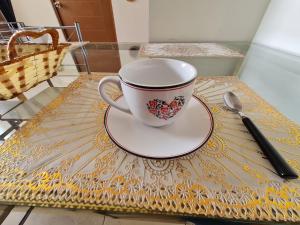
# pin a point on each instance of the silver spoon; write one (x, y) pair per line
(280, 165)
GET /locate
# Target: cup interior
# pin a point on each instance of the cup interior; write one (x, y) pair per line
(158, 72)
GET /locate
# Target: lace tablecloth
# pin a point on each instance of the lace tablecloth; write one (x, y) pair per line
(188, 50)
(64, 158)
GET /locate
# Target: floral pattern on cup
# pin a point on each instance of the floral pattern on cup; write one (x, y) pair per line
(163, 110)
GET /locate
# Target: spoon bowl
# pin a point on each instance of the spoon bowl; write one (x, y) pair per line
(232, 102)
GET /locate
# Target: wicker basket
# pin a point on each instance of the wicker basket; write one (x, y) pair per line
(23, 66)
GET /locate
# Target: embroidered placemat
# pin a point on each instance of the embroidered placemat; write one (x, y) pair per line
(188, 50)
(64, 158)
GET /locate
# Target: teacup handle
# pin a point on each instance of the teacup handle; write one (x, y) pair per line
(106, 98)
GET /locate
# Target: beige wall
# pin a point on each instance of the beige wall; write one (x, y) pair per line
(35, 13)
(205, 20)
(131, 20)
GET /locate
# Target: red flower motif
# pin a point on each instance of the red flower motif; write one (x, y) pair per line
(152, 104)
(162, 110)
(165, 109)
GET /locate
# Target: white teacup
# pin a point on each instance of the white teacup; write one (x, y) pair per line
(157, 90)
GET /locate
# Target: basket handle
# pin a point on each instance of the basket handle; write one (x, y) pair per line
(11, 50)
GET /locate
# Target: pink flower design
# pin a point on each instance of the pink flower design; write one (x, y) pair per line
(163, 110)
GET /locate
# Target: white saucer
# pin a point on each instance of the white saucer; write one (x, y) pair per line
(185, 135)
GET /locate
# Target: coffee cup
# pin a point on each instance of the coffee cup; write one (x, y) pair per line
(157, 91)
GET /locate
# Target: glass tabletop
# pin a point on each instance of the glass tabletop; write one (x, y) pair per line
(273, 74)
(210, 59)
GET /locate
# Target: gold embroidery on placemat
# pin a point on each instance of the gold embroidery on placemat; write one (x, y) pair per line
(64, 158)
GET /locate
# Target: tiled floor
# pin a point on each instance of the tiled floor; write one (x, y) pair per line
(15, 216)
(112, 221)
(46, 216)
(3, 126)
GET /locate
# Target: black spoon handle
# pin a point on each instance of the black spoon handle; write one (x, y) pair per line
(279, 164)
